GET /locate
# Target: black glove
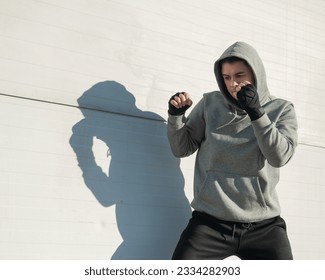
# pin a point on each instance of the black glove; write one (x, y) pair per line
(172, 110)
(249, 101)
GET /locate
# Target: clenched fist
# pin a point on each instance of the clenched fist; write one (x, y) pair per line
(249, 101)
(179, 103)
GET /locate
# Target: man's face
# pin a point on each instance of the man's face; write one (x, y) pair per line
(236, 75)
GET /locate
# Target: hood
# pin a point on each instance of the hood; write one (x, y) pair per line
(244, 51)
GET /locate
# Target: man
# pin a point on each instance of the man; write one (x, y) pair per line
(242, 136)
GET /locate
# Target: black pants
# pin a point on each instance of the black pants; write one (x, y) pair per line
(207, 238)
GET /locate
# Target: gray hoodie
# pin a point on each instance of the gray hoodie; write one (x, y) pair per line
(237, 162)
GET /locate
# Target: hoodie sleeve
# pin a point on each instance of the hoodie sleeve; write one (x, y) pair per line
(277, 141)
(186, 134)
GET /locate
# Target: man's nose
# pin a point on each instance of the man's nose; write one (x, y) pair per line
(234, 83)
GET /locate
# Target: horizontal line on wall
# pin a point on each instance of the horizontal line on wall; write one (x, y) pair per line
(81, 107)
(312, 145)
(113, 112)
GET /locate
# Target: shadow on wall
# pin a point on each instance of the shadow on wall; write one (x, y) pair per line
(143, 180)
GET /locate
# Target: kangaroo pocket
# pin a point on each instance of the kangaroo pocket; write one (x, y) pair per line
(232, 196)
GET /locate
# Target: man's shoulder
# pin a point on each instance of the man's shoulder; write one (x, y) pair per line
(276, 101)
(213, 95)
(279, 106)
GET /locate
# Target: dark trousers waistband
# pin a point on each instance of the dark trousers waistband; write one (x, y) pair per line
(246, 225)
